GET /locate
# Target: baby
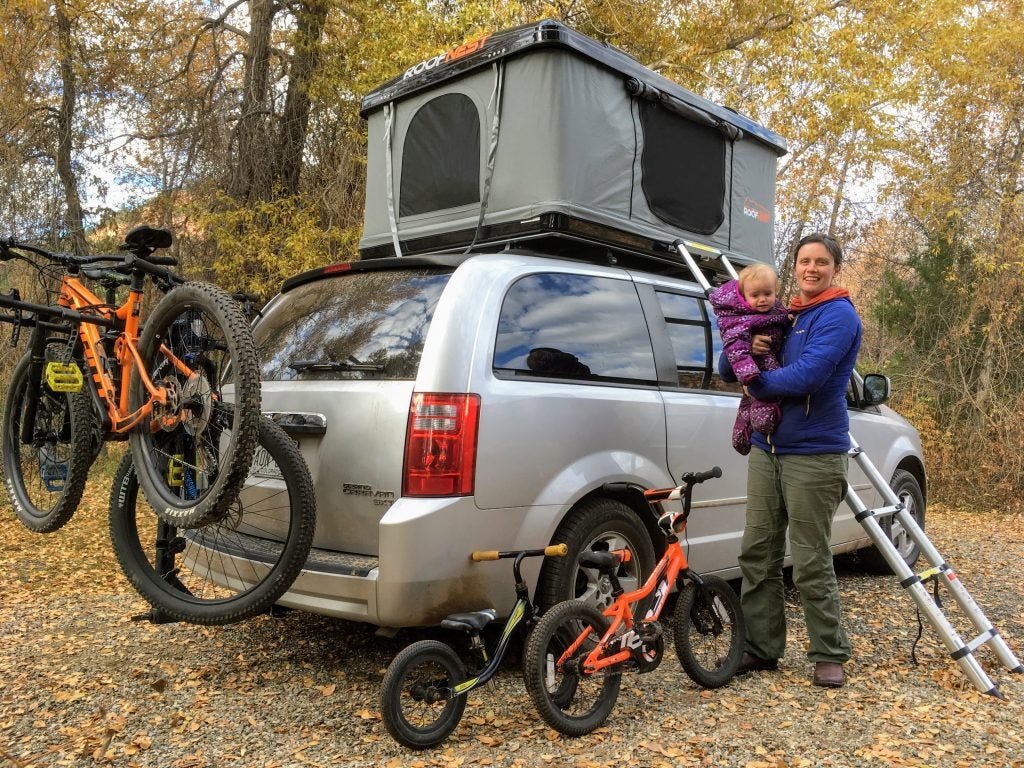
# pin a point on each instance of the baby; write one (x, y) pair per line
(746, 307)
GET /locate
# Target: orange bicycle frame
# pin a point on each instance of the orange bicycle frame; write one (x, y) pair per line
(125, 319)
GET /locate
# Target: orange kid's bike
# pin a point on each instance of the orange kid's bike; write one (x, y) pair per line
(191, 419)
(576, 654)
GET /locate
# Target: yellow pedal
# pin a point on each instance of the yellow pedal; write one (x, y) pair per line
(64, 377)
(176, 471)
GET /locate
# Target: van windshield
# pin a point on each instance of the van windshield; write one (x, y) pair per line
(358, 325)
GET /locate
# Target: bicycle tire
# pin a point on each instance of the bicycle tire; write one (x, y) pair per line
(417, 703)
(45, 479)
(230, 569)
(708, 633)
(569, 701)
(189, 473)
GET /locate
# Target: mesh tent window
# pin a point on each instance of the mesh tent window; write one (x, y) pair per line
(683, 170)
(441, 156)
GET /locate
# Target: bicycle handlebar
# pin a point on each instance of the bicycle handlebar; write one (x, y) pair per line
(693, 478)
(554, 550)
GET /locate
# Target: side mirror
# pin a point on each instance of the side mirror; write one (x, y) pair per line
(876, 389)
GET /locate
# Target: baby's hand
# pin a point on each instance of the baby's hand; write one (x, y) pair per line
(760, 344)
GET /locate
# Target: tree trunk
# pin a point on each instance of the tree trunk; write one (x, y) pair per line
(73, 218)
(249, 180)
(310, 18)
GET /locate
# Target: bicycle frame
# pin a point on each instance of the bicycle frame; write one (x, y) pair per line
(665, 573)
(125, 319)
(523, 610)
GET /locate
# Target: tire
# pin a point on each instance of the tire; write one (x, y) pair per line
(192, 471)
(596, 524)
(908, 491)
(45, 479)
(417, 702)
(707, 628)
(572, 703)
(231, 569)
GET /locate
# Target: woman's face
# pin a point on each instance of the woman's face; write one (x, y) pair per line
(814, 269)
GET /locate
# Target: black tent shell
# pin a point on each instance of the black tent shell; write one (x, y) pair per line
(541, 130)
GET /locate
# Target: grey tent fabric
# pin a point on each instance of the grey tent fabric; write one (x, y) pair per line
(586, 135)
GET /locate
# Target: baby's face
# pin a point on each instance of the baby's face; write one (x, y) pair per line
(760, 293)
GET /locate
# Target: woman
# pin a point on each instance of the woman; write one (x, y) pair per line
(796, 477)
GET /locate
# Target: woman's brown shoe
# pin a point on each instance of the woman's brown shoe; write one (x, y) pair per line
(828, 674)
(751, 663)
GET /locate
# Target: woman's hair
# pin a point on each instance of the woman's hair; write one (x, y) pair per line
(753, 272)
(830, 243)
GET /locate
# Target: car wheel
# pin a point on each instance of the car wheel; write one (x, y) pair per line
(596, 525)
(908, 491)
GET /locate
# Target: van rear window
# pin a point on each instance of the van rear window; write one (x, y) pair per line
(359, 325)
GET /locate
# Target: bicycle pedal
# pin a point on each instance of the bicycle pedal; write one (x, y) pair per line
(650, 631)
(64, 377)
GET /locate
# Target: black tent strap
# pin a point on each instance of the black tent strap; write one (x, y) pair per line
(642, 90)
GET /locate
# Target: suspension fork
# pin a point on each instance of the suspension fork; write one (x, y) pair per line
(37, 351)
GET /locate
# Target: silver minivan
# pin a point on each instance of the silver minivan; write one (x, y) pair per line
(450, 403)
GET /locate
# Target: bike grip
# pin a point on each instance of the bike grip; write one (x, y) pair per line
(556, 550)
(487, 554)
(700, 477)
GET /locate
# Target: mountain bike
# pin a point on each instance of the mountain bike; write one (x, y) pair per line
(424, 691)
(230, 569)
(166, 391)
(575, 656)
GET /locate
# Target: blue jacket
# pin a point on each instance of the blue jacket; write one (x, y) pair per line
(817, 359)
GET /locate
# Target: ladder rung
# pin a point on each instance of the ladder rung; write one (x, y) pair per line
(880, 512)
(975, 644)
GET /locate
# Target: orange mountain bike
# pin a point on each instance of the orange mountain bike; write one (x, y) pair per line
(165, 385)
(576, 654)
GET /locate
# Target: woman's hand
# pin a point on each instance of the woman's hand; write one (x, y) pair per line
(760, 344)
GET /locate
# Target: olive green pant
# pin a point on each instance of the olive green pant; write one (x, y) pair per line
(800, 493)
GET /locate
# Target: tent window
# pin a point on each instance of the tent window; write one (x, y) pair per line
(441, 156)
(683, 167)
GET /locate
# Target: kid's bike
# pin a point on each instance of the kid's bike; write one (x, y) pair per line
(575, 656)
(166, 385)
(424, 691)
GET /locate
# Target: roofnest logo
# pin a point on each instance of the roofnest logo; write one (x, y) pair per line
(446, 58)
(755, 210)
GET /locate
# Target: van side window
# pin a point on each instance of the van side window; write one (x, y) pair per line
(693, 329)
(568, 326)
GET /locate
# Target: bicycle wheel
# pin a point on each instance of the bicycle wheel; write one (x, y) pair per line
(416, 697)
(570, 701)
(45, 477)
(230, 569)
(193, 455)
(708, 632)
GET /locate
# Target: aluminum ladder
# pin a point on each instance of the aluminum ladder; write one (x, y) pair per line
(938, 569)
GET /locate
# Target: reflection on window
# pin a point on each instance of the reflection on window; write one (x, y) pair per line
(365, 325)
(696, 343)
(574, 326)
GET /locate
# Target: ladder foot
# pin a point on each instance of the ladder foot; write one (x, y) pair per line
(1019, 669)
(994, 691)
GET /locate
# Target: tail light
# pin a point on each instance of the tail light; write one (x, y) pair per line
(440, 445)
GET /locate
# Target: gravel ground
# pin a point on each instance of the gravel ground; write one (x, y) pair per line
(82, 684)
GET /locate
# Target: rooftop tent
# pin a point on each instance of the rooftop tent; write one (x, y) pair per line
(540, 131)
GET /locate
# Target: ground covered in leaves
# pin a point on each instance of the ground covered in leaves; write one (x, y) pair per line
(82, 684)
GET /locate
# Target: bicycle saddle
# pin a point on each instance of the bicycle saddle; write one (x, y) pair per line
(470, 622)
(605, 562)
(148, 237)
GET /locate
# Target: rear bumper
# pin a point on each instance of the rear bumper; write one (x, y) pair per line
(424, 571)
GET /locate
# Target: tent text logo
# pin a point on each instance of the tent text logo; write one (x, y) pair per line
(755, 210)
(446, 58)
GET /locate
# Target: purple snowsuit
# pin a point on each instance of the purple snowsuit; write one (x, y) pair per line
(738, 322)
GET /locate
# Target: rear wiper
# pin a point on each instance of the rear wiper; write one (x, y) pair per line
(335, 365)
